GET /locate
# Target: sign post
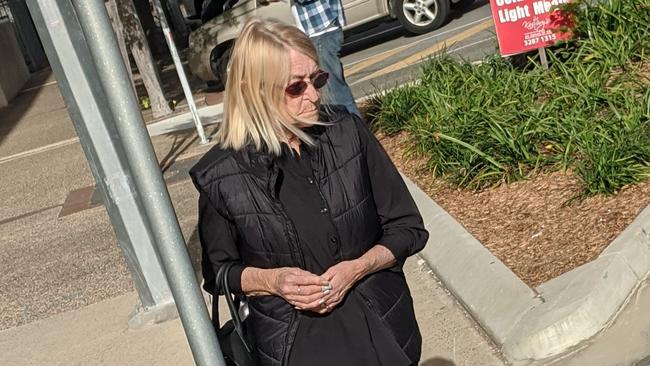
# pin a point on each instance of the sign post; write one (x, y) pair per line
(542, 57)
(525, 25)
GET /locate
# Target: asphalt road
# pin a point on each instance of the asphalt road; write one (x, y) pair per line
(385, 55)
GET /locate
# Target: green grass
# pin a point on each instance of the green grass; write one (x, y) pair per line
(491, 123)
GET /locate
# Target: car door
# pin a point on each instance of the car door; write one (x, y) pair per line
(358, 12)
(278, 10)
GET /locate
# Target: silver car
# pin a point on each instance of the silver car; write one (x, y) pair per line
(210, 44)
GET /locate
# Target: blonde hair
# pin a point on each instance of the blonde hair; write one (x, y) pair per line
(259, 70)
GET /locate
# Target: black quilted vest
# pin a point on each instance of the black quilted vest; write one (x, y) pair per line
(242, 185)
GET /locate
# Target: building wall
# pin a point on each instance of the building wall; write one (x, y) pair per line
(13, 70)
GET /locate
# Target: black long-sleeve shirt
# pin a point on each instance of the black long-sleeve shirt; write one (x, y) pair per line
(352, 329)
(400, 220)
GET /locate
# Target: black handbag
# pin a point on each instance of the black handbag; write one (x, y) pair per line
(235, 341)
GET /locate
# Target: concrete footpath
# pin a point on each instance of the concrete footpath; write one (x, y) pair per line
(98, 335)
(626, 341)
(65, 291)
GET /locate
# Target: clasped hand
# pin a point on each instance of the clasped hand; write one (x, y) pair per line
(320, 294)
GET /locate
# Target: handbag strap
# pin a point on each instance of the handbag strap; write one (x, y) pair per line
(222, 279)
(221, 273)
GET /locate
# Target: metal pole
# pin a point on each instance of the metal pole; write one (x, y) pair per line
(177, 20)
(113, 14)
(542, 57)
(149, 182)
(85, 100)
(180, 70)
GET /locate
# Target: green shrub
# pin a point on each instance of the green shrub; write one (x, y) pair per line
(492, 122)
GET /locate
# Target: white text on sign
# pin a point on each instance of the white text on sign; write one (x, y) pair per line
(514, 14)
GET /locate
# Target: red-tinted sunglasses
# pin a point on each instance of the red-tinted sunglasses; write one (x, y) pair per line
(317, 80)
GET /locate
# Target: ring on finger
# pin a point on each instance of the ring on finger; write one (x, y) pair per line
(299, 289)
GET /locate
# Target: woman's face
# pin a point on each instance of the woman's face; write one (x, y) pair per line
(304, 107)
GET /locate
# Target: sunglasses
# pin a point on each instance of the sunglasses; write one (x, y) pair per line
(317, 80)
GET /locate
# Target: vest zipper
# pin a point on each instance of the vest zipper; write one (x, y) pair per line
(290, 230)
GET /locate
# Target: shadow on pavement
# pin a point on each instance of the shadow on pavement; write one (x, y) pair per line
(381, 31)
(437, 361)
(458, 11)
(11, 115)
(182, 141)
(179, 145)
(371, 35)
(644, 362)
(194, 250)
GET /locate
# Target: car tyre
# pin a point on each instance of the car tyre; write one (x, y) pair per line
(421, 16)
(219, 58)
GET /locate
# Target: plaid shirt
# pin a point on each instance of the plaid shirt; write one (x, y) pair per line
(313, 17)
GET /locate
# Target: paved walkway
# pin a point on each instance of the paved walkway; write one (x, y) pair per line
(65, 291)
(97, 334)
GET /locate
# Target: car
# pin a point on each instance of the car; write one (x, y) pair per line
(210, 45)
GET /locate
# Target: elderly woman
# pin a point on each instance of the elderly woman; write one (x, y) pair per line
(307, 203)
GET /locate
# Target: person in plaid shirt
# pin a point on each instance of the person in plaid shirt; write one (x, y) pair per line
(322, 21)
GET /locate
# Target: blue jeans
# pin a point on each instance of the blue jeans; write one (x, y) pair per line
(337, 91)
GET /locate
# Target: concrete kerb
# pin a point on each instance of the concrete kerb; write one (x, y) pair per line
(142, 317)
(494, 295)
(534, 326)
(584, 301)
(209, 115)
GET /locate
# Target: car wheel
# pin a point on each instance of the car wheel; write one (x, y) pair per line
(421, 16)
(219, 58)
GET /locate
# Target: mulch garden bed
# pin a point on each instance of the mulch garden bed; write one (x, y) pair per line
(534, 227)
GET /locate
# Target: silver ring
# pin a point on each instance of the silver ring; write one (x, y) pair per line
(299, 289)
(326, 288)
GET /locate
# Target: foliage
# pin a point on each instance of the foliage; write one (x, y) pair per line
(493, 122)
(145, 103)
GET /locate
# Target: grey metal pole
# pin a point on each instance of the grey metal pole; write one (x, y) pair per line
(149, 182)
(84, 96)
(180, 70)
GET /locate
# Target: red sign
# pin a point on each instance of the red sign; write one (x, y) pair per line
(524, 25)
